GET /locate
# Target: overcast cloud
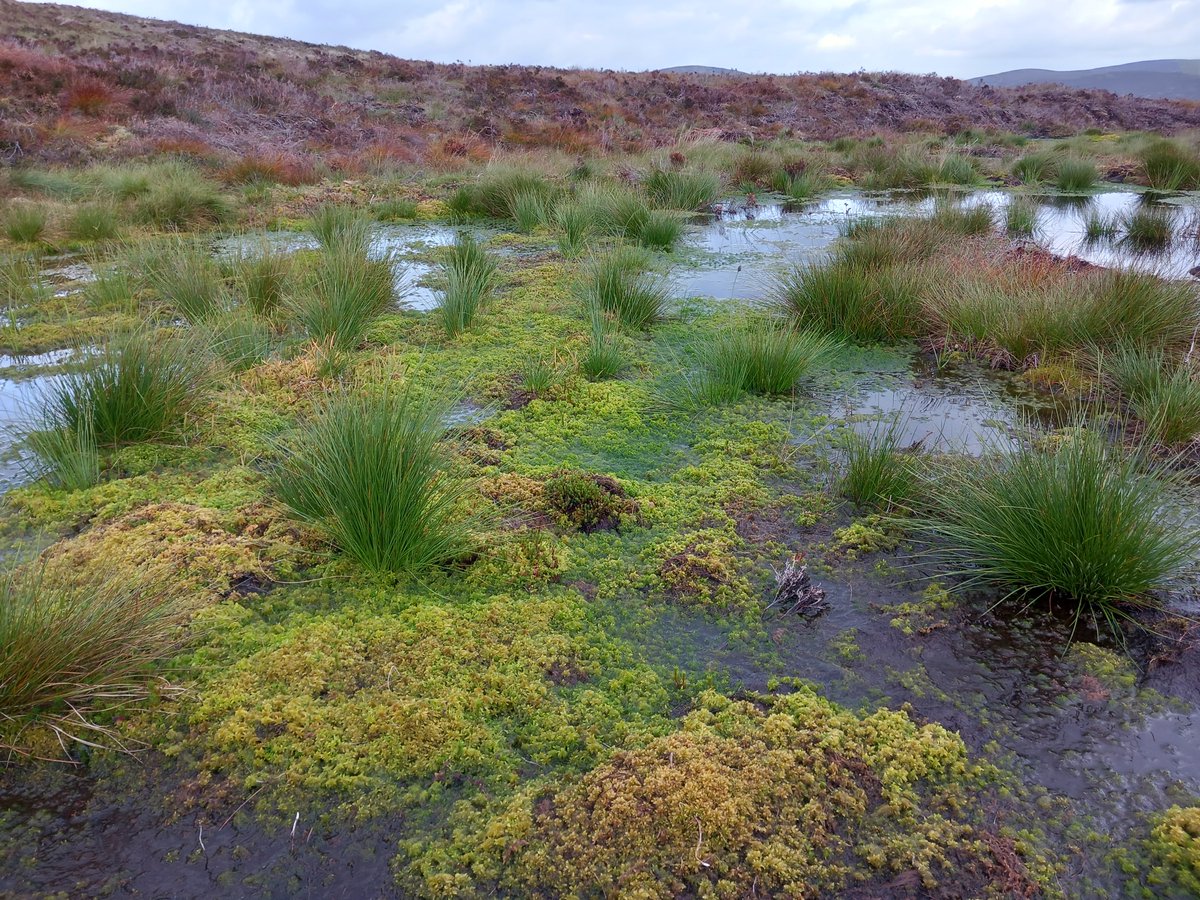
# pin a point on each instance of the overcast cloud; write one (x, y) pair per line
(952, 37)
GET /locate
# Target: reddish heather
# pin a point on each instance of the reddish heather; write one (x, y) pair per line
(155, 85)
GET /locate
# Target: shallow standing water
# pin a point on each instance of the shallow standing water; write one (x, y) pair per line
(737, 249)
(991, 674)
(23, 386)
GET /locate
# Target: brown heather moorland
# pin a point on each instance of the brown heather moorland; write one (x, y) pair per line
(79, 84)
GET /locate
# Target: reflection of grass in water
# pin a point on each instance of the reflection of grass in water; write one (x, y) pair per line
(1147, 229)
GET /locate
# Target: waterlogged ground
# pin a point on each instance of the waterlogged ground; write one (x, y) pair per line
(735, 253)
(344, 736)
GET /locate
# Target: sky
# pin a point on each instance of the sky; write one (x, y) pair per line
(951, 37)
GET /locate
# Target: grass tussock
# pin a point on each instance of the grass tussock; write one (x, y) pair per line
(67, 457)
(262, 278)
(878, 471)
(341, 229)
(760, 357)
(849, 298)
(576, 226)
(1075, 175)
(964, 221)
(24, 223)
(1169, 166)
(800, 185)
(1033, 309)
(1021, 217)
(617, 283)
(1040, 520)
(94, 222)
(523, 197)
(1163, 394)
(239, 338)
(181, 199)
(680, 189)
(370, 472)
(603, 357)
(1098, 227)
(186, 277)
(1036, 167)
(397, 209)
(344, 296)
(1147, 229)
(470, 273)
(21, 282)
(69, 651)
(135, 387)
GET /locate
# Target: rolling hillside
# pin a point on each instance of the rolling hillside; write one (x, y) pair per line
(78, 84)
(1172, 79)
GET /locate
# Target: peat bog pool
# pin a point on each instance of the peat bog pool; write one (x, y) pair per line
(1096, 743)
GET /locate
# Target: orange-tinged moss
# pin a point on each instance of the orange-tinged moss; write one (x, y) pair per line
(203, 552)
(776, 796)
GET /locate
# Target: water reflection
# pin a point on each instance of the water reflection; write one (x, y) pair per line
(741, 245)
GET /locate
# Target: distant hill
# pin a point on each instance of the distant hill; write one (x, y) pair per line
(1170, 79)
(701, 70)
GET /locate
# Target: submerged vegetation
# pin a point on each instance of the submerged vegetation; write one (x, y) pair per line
(468, 510)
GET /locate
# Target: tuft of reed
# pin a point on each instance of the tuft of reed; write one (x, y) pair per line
(344, 296)
(470, 273)
(660, 231)
(540, 375)
(1098, 226)
(1075, 175)
(1165, 396)
(262, 277)
(71, 649)
(1029, 312)
(21, 282)
(369, 471)
(617, 283)
(66, 457)
(877, 471)
(93, 222)
(187, 277)
(529, 210)
(1171, 167)
(956, 168)
(966, 221)
(760, 357)
(394, 210)
(239, 338)
(576, 225)
(113, 288)
(800, 186)
(680, 189)
(1147, 229)
(1035, 167)
(603, 357)
(1021, 217)
(518, 195)
(1039, 521)
(180, 199)
(851, 299)
(341, 229)
(24, 223)
(135, 387)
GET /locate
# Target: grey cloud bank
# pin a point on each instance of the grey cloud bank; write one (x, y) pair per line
(964, 38)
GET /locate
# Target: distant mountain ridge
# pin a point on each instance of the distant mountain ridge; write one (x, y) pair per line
(1170, 79)
(701, 70)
